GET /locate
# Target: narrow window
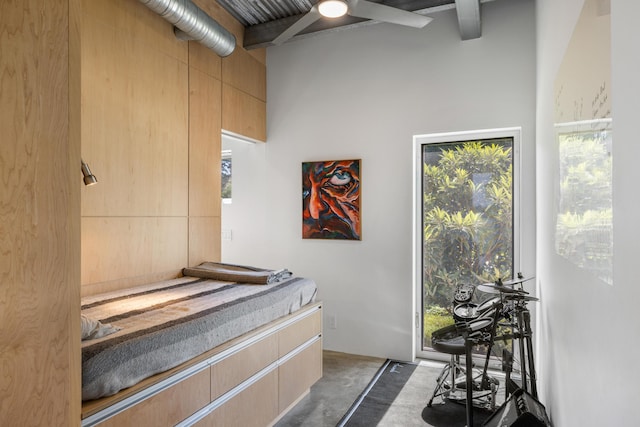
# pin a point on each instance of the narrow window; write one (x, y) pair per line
(226, 176)
(465, 223)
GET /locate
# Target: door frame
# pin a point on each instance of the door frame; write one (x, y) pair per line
(418, 142)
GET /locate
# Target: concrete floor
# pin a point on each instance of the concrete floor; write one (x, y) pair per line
(344, 377)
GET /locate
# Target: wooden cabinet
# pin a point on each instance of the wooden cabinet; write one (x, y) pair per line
(243, 114)
(255, 406)
(232, 371)
(267, 370)
(298, 373)
(244, 95)
(168, 407)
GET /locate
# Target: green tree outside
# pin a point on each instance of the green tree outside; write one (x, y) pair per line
(467, 221)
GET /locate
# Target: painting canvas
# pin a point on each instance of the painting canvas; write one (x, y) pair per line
(331, 200)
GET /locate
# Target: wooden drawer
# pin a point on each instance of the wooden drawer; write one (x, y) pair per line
(167, 407)
(299, 373)
(256, 406)
(231, 371)
(297, 334)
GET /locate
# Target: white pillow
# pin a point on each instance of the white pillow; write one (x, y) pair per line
(92, 329)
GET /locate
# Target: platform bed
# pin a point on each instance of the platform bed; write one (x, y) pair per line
(249, 380)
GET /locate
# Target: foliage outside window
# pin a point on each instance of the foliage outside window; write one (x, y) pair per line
(467, 221)
(226, 175)
(584, 224)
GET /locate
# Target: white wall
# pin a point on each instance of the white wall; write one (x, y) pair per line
(587, 340)
(363, 94)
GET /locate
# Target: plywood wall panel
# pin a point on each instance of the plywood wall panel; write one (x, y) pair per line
(39, 216)
(135, 124)
(205, 60)
(137, 22)
(259, 54)
(242, 71)
(243, 114)
(204, 240)
(124, 247)
(205, 118)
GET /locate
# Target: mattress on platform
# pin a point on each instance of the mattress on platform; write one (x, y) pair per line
(167, 323)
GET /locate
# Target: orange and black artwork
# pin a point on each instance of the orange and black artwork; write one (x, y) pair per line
(331, 200)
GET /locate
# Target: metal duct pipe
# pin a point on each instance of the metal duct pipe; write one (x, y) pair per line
(189, 19)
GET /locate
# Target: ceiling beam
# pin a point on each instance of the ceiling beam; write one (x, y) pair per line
(262, 35)
(469, 19)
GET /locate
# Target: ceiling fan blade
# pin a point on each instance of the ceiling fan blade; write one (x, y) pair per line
(383, 13)
(309, 18)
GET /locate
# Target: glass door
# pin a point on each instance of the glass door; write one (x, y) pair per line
(465, 220)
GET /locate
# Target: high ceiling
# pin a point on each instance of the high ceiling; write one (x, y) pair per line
(264, 20)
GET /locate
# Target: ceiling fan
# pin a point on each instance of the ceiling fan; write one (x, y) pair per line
(358, 8)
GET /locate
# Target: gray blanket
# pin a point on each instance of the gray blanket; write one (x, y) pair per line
(167, 323)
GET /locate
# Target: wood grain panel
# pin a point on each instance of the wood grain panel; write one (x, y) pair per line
(73, 270)
(39, 215)
(136, 21)
(253, 407)
(299, 373)
(204, 240)
(205, 142)
(242, 71)
(168, 407)
(299, 333)
(233, 370)
(135, 125)
(205, 60)
(122, 247)
(243, 114)
(128, 282)
(259, 54)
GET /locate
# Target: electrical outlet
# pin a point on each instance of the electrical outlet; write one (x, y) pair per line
(333, 321)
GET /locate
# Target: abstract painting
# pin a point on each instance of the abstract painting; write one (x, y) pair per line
(331, 200)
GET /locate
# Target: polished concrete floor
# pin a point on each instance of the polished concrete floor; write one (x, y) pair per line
(344, 377)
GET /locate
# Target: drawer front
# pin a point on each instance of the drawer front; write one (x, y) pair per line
(297, 374)
(167, 407)
(231, 371)
(256, 406)
(300, 332)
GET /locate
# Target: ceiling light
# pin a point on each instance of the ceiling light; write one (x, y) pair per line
(332, 8)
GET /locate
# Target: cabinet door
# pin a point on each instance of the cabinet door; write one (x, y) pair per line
(299, 373)
(243, 114)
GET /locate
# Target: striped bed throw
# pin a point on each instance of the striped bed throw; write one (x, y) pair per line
(167, 323)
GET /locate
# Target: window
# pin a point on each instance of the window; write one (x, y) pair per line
(226, 176)
(465, 219)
